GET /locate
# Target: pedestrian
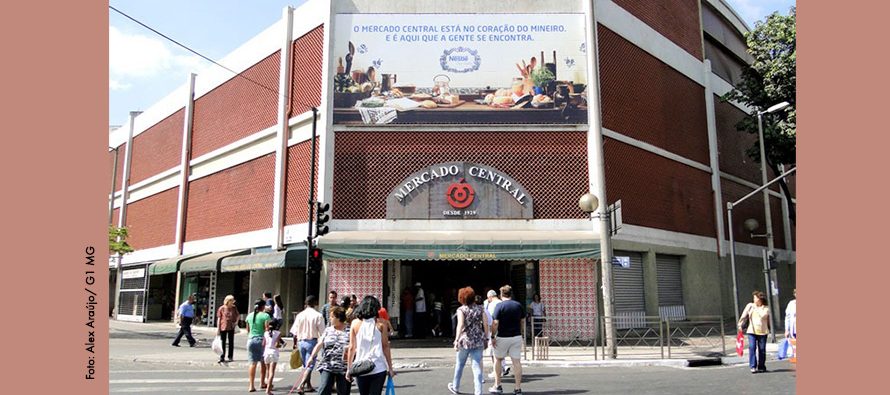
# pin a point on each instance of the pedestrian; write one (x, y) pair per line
(539, 313)
(757, 315)
(326, 309)
(271, 343)
(453, 305)
(470, 339)
(408, 307)
(508, 325)
(791, 318)
(384, 315)
(186, 314)
(227, 321)
(367, 345)
(420, 314)
(307, 328)
(277, 308)
(489, 305)
(270, 303)
(257, 324)
(332, 346)
(436, 316)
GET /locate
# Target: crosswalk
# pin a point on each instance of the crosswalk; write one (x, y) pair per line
(165, 381)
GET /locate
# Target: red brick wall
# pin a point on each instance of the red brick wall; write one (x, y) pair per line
(157, 149)
(235, 200)
(732, 144)
(648, 100)
(297, 195)
(307, 67)
(678, 20)
(551, 165)
(237, 108)
(752, 208)
(151, 222)
(657, 192)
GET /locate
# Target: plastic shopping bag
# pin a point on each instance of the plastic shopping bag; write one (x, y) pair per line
(216, 346)
(296, 361)
(785, 350)
(390, 387)
(740, 343)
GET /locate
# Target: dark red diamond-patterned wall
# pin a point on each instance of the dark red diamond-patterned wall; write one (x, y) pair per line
(678, 20)
(752, 208)
(151, 222)
(235, 200)
(367, 165)
(157, 149)
(732, 144)
(306, 76)
(645, 99)
(296, 203)
(238, 108)
(657, 192)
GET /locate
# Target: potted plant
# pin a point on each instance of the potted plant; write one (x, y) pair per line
(541, 77)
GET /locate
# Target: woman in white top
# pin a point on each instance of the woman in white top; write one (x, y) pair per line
(366, 343)
(791, 318)
(277, 309)
(538, 312)
(757, 316)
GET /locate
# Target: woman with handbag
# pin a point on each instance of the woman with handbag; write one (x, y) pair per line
(471, 336)
(227, 317)
(755, 322)
(368, 358)
(332, 346)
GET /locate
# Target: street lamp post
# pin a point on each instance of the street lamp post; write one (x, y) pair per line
(770, 245)
(589, 203)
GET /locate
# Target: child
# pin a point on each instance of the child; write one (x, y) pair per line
(271, 342)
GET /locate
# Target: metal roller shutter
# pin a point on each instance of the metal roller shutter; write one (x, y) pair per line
(670, 286)
(628, 284)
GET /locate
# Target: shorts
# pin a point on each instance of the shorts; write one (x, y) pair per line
(270, 358)
(255, 349)
(511, 346)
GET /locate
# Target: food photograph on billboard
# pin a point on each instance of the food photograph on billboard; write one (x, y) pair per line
(459, 69)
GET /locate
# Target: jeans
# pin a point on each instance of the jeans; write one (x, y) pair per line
(228, 338)
(306, 347)
(327, 380)
(409, 322)
(475, 355)
(371, 384)
(757, 343)
(185, 328)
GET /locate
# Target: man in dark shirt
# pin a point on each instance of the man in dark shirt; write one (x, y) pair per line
(326, 309)
(507, 330)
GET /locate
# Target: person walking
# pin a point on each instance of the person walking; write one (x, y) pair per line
(508, 325)
(227, 321)
(757, 315)
(326, 309)
(186, 314)
(471, 336)
(539, 312)
(270, 303)
(408, 307)
(307, 328)
(420, 314)
(489, 305)
(332, 346)
(257, 324)
(791, 318)
(271, 343)
(278, 308)
(367, 345)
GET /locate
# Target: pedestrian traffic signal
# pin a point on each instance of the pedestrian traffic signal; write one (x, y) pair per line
(315, 260)
(321, 218)
(771, 259)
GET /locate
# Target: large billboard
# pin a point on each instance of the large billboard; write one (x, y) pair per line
(460, 69)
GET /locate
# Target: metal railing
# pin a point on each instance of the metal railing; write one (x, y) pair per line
(641, 337)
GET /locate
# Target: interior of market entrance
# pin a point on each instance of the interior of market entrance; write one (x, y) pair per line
(441, 280)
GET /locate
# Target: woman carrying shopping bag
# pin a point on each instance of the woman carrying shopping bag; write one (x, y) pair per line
(757, 316)
(471, 336)
(227, 317)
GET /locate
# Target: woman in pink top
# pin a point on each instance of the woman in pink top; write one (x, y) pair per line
(227, 321)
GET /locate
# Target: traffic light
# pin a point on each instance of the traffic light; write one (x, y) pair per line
(315, 260)
(771, 259)
(321, 218)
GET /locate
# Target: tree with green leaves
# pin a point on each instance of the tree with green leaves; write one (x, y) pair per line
(769, 80)
(117, 240)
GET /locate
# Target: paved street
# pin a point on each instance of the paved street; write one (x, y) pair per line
(151, 378)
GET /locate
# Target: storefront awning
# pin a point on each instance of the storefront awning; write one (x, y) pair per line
(460, 245)
(170, 265)
(292, 258)
(209, 262)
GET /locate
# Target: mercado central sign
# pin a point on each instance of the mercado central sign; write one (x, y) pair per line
(459, 190)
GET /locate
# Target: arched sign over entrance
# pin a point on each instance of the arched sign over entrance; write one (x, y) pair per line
(459, 190)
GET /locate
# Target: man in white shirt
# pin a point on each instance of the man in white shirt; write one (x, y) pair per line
(307, 328)
(420, 316)
(791, 318)
(490, 303)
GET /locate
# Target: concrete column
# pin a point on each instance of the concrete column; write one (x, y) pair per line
(650, 282)
(713, 153)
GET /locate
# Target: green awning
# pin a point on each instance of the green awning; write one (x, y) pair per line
(293, 258)
(170, 265)
(209, 262)
(460, 245)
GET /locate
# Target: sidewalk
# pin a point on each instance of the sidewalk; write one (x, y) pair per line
(151, 343)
